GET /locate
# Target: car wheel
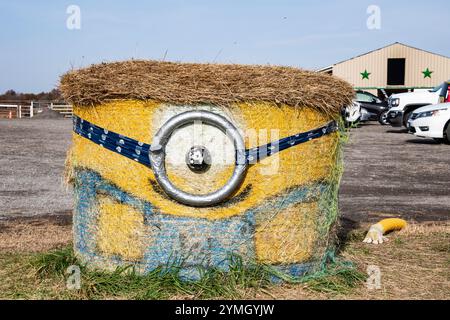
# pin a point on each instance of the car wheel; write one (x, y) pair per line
(447, 133)
(406, 118)
(383, 118)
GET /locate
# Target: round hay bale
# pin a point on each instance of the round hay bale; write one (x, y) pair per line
(280, 209)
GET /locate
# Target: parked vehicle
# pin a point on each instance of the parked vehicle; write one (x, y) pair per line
(431, 122)
(375, 107)
(365, 115)
(352, 113)
(402, 105)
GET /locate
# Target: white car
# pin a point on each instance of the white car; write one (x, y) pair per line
(402, 105)
(352, 113)
(431, 122)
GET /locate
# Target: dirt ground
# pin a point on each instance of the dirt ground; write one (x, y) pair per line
(388, 173)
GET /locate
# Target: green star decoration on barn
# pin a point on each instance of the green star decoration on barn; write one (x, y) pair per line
(427, 73)
(365, 75)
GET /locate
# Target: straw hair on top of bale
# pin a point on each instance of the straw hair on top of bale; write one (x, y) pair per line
(191, 83)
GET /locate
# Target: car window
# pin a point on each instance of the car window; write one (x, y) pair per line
(363, 97)
(437, 89)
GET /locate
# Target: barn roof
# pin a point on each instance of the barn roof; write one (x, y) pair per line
(328, 68)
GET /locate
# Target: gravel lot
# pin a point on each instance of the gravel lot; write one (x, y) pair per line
(387, 173)
(32, 154)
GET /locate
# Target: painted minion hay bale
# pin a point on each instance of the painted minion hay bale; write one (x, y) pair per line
(191, 164)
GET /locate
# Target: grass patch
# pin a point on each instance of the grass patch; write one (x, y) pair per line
(54, 262)
(336, 280)
(418, 268)
(339, 277)
(398, 241)
(125, 283)
(159, 284)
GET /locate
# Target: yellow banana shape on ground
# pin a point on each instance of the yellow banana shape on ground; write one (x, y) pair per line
(376, 231)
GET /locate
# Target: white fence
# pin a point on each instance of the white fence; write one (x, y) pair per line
(65, 109)
(17, 111)
(10, 111)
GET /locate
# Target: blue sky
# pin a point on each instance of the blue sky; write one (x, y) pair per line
(36, 47)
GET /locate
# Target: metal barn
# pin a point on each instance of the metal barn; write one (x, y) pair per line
(391, 69)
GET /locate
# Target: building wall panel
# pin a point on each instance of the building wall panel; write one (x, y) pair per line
(376, 64)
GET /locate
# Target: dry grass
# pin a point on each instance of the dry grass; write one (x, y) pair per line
(34, 235)
(415, 264)
(219, 84)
